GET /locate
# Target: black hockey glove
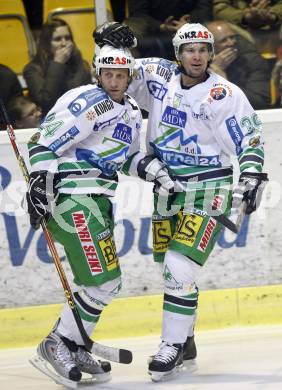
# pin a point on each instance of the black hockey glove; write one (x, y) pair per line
(249, 190)
(114, 34)
(152, 169)
(41, 192)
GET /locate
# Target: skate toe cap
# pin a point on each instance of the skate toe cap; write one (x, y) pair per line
(75, 375)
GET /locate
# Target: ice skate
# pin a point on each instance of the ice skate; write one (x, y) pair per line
(99, 370)
(52, 351)
(167, 362)
(189, 349)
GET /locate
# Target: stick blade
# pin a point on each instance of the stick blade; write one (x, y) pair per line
(113, 354)
(226, 222)
(125, 356)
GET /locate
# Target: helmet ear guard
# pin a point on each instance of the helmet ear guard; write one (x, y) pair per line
(192, 33)
(115, 58)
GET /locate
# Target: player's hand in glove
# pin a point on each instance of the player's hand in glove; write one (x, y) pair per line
(249, 190)
(41, 193)
(114, 34)
(153, 170)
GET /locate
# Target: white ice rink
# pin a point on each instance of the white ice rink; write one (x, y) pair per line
(243, 358)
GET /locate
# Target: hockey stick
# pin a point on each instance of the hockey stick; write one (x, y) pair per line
(226, 222)
(110, 353)
(221, 218)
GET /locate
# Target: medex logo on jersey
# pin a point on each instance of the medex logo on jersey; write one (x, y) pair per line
(115, 60)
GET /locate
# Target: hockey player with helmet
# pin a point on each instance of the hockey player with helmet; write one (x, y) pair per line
(89, 135)
(197, 121)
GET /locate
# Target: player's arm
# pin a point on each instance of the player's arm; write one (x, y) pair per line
(240, 132)
(60, 130)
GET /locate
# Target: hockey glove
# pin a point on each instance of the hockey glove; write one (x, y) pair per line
(40, 194)
(153, 170)
(114, 34)
(249, 190)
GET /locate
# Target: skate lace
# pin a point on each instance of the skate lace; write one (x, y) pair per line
(166, 353)
(63, 356)
(84, 357)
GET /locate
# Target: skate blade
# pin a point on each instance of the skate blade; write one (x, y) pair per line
(89, 380)
(42, 366)
(96, 378)
(190, 366)
(165, 376)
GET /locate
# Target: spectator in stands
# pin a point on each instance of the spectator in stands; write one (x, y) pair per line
(10, 85)
(24, 113)
(57, 66)
(261, 17)
(276, 77)
(254, 13)
(238, 60)
(154, 22)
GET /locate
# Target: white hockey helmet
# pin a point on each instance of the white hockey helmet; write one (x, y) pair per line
(111, 57)
(192, 33)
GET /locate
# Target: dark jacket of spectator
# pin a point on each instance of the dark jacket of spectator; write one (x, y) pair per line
(251, 73)
(46, 76)
(158, 10)
(10, 85)
(233, 11)
(154, 22)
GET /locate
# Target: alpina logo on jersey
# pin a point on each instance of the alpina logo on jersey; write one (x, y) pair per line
(207, 235)
(195, 35)
(115, 60)
(87, 242)
(218, 93)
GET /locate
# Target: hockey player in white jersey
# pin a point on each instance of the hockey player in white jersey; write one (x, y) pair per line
(197, 120)
(89, 135)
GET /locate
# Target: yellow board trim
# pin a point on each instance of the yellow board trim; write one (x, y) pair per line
(140, 316)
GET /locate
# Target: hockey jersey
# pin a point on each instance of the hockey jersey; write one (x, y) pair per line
(86, 138)
(196, 130)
